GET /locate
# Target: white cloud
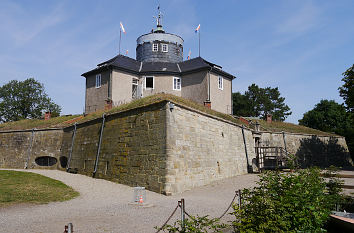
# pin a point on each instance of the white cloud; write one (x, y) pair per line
(22, 26)
(301, 20)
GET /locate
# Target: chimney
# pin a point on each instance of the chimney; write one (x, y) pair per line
(207, 104)
(244, 120)
(269, 118)
(257, 126)
(47, 115)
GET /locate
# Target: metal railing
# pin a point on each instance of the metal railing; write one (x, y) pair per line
(271, 157)
(182, 206)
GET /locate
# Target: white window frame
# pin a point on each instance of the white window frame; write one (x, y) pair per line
(135, 81)
(155, 49)
(175, 87)
(98, 80)
(221, 83)
(165, 46)
(153, 82)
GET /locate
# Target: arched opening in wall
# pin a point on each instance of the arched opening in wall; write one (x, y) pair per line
(46, 161)
(63, 161)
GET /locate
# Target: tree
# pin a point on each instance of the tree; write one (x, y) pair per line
(347, 90)
(25, 100)
(330, 116)
(327, 116)
(299, 201)
(259, 102)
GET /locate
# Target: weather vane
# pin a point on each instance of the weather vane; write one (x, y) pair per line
(159, 16)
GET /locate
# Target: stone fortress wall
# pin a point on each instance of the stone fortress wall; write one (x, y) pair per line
(166, 147)
(20, 148)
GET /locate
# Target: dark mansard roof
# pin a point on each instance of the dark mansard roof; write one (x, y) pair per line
(131, 65)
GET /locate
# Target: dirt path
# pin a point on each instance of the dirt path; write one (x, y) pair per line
(103, 206)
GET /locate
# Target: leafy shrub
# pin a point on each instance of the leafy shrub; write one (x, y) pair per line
(299, 201)
(196, 225)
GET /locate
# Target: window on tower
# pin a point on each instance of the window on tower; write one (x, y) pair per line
(155, 47)
(165, 48)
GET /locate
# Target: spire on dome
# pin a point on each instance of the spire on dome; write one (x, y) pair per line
(158, 18)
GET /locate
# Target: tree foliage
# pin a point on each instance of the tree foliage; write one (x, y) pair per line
(347, 90)
(330, 116)
(259, 102)
(25, 100)
(299, 201)
(327, 116)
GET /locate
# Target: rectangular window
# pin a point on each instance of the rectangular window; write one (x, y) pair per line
(165, 48)
(98, 80)
(155, 47)
(176, 83)
(220, 83)
(149, 82)
(135, 81)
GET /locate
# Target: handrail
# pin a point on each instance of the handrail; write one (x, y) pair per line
(271, 157)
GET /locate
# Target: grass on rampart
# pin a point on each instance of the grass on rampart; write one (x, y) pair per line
(159, 98)
(25, 187)
(55, 122)
(64, 121)
(277, 126)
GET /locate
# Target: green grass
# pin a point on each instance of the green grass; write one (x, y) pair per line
(24, 187)
(159, 98)
(54, 122)
(277, 126)
(65, 121)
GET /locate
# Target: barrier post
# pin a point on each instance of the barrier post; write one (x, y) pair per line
(69, 228)
(239, 198)
(181, 205)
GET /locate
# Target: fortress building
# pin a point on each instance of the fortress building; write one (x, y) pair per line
(163, 143)
(158, 67)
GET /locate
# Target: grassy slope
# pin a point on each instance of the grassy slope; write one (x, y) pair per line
(159, 98)
(69, 120)
(277, 126)
(55, 122)
(25, 187)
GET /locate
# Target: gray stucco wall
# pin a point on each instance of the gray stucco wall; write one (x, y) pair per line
(95, 98)
(220, 99)
(195, 87)
(122, 87)
(162, 83)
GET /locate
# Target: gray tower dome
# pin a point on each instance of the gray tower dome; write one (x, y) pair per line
(159, 46)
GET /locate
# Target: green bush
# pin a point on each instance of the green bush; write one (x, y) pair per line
(196, 225)
(298, 201)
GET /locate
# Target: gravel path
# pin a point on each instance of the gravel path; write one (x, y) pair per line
(103, 206)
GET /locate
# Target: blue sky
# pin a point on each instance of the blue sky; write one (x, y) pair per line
(300, 46)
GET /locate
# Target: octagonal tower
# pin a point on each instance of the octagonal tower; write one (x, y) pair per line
(159, 46)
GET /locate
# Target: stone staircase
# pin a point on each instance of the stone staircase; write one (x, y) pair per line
(348, 178)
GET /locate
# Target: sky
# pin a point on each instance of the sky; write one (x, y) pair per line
(300, 46)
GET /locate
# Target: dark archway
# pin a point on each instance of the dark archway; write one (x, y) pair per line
(63, 161)
(46, 161)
